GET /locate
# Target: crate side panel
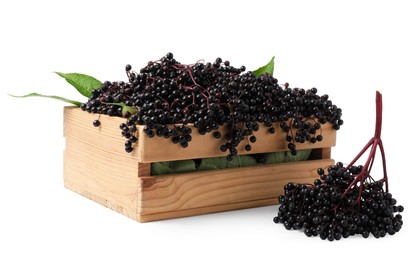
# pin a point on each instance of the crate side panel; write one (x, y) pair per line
(94, 164)
(173, 193)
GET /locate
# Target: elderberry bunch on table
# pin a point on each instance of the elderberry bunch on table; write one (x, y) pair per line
(344, 201)
(329, 210)
(170, 98)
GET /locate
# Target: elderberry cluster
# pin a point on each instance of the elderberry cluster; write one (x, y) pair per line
(170, 98)
(332, 210)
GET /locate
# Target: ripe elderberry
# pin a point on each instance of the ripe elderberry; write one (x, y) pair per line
(96, 123)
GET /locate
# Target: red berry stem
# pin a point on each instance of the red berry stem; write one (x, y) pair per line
(373, 144)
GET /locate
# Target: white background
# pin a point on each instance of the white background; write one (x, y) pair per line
(346, 49)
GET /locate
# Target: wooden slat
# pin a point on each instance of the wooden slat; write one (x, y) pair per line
(168, 195)
(206, 146)
(207, 210)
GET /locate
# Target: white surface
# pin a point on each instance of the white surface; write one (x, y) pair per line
(346, 50)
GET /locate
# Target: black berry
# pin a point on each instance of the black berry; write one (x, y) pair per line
(96, 123)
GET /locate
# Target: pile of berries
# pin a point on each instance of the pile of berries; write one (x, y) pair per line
(170, 98)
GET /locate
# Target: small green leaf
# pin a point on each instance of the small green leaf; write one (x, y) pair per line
(160, 168)
(271, 158)
(242, 161)
(247, 160)
(76, 103)
(301, 155)
(128, 109)
(83, 83)
(268, 68)
(182, 166)
(206, 167)
(125, 108)
(215, 163)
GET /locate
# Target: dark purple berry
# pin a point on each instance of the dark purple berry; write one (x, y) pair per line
(248, 147)
(96, 123)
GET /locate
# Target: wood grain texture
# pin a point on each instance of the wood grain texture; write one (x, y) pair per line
(97, 167)
(249, 185)
(95, 163)
(206, 146)
(207, 210)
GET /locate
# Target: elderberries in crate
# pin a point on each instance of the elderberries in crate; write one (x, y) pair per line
(345, 200)
(170, 98)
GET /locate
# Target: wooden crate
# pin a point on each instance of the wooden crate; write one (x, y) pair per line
(97, 167)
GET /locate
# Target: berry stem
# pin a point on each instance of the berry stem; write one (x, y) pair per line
(373, 143)
(378, 128)
(385, 178)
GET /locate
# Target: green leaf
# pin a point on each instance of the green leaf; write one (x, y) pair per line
(182, 166)
(302, 155)
(76, 103)
(160, 168)
(271, 158)
(247, 160)
(83, 83)
(268, 68)
(242, 161)
(215, 163)
(125, 108)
